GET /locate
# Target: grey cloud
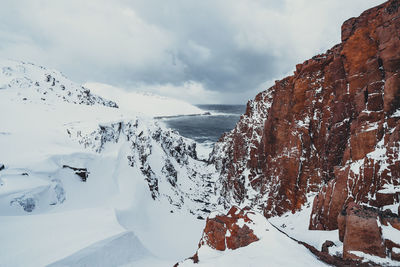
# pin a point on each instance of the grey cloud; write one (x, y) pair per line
(229, 48)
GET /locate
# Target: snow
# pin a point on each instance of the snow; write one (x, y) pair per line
(296, 226)
(378, 260)
(124, 248)
(38, 240)
(396, 114)
(389, 189)
(144, 103)
(391, 233)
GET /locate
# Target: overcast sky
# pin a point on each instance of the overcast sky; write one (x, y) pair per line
(202, 51)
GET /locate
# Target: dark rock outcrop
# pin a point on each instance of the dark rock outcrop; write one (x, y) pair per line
(228, 231)
(326, 245)
(81, 172)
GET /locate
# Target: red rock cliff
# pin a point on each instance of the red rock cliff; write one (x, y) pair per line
(332, 128)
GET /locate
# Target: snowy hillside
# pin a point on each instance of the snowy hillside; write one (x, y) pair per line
(34, 84)
(72, 159)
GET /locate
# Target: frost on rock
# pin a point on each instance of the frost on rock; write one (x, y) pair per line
(231, 154)
(27, 203)
(167, 161)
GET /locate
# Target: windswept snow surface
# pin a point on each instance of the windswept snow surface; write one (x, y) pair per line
(146, 195)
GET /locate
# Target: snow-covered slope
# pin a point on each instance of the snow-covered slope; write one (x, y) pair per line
(146, 104)
(53, 133)
(31, 83)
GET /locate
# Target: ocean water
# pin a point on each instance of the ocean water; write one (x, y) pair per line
(207, 129)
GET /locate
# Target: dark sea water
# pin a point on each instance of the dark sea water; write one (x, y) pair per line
(207, 129)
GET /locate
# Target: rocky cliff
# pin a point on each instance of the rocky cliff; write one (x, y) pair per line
(333, 128)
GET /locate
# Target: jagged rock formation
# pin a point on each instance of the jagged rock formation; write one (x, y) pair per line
(333, 125)
(167, 161)
(332, 128)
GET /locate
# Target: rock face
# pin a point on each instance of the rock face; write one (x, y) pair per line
(333, 128)
(367, 230)
(228, 231)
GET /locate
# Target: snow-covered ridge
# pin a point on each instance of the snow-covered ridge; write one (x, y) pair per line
(36, 83)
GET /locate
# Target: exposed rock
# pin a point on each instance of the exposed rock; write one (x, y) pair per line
(226, 231)
(333, 128)
(230, 231)
(362, 232)
(326, 245)
(81, 172)
(370, 231)
(1, 167)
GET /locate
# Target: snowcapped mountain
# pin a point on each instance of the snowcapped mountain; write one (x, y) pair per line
(35, 84)
(72, 158)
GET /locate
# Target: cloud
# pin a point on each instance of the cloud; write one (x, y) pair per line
(213, 51)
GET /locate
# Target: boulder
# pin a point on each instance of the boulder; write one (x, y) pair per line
(362, 232)
(81, 172)
(326, 245)
(364, 229)
(230, 231)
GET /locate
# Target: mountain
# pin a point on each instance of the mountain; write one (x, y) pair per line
(319, 152)
(85, 181)
(309, 176)
(80, 174)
